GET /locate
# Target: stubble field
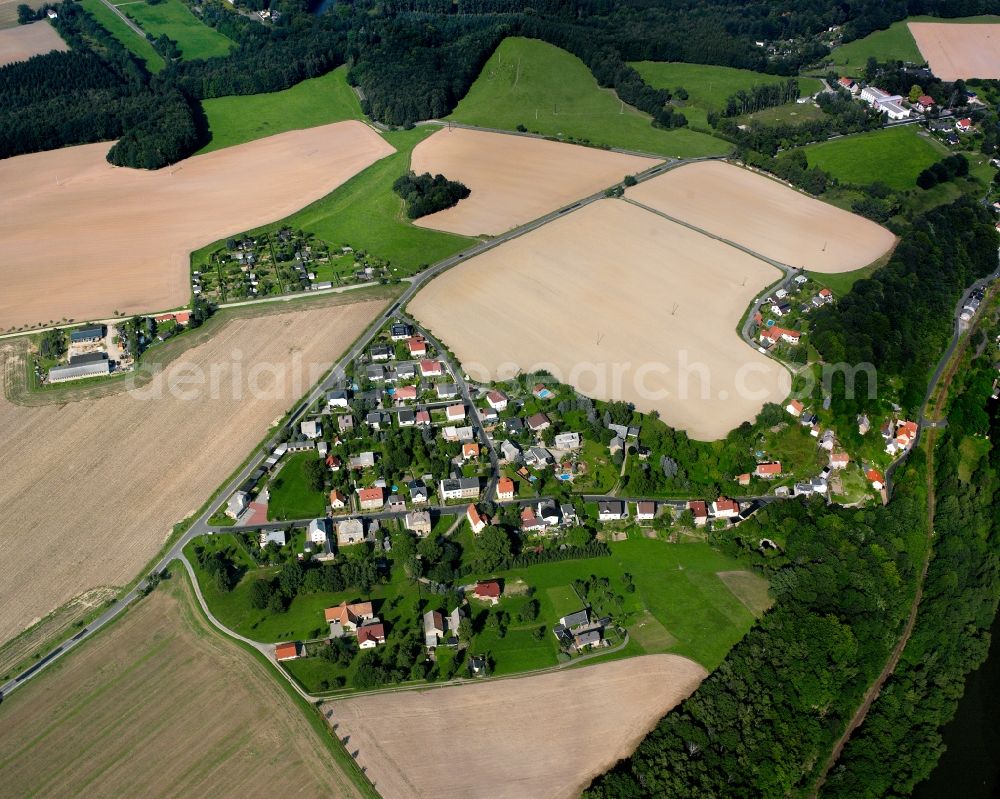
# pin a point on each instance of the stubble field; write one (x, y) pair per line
(959, 51)
(160, 705)
(620, 303)
(91, 489)
(25, 41)
(82, 239)
(765, 216)
(514, 179)
(545, 735)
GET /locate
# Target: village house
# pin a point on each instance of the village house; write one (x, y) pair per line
(505, 488)
(645, 511)
(375, 372)
(470, 451)
(405, 394)
(418, 492)
(548, 512)
(530, 523)
(963, 125)
(496, 400)
(345, 423)
(455, 413)
(537, 422)
(400, 331)
(794, 408)
(849, 85)
(611, 511)
(924, 103)
(541, 392)
(406, 418)
(418, 521)
(460, 434)
(699, 510)
(271, 537)
(417, 347)
(350, 532)
(768, 470)
(371, 498)
(311, 428)
(724, 508)
(538, 457)
(874, 476)
(488, 415)
(743, 479)
(363, 460)
(237, 504)
(395, 504)
(864, 425)
(460, 488)
(423, 418)
(338, 500)
(839, 460)
(431, 368)
(381, 352)
(337, 399)
(568, 514)
(404, 371)
(828, 440)
(477, 521)
(348, 617)
(567, 441)
(510, 451)
(487, 591)
(288, 651)
(374, 420)
(371, 635)
(434, 628)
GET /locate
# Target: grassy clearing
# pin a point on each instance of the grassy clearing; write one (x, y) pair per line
(840, 284)
(531, 83)
(159, 703)
(789, 112)
(902, 153)
(114, 25)
(317, 101)
(366, 214)
(972, 450)
(708, 86)
(175, 20)
(896, 42)
(291, 496)
(748, 588)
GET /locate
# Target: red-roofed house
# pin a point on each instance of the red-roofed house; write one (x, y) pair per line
(371, 498)
(334, 463)
(423, 417)
(700, 511)
(455, 413)
(850, 85)
(405, 394)
(286, 651)
(417, 346)
(470, 451)
(496, 400)
(839, 460)
(925, 103)
(963, 125)
(431, 368)
(349, 616)
(371, 635)
(488, 591)
(795, 408)
(529, 521)
(824, 293)
(505, 488)
(645, 511)
(537, 422)
(476, 521)
(743, 479)
(337, 500)
(724, 508)
(768, 470)
(875, 478)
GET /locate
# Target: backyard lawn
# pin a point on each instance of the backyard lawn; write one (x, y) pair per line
(175, 20)
(317, 101)
(291, 497)
(709, 87)
(114, 25)
(549, 91)
(902, 153)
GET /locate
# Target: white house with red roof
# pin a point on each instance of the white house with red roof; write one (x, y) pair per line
(405, 394)
(699, 509)
(371, 635)
(795, 408)
(839, 460)
(477, 521)
(488, 591)
(431, 368)
(371, 498)
(725, 508)
(505, 488)
(455, 413)
(768, 470)
(874, 476)
(497, 400)
(417, 346)
(963, 125)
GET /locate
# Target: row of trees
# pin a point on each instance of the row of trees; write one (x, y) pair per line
(954, 166)
(757, 98)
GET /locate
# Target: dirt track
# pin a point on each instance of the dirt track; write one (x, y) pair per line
(765, 216)
(25, 41)
(539, 736)
(160, 705)
(958, 50)
(82, 239)
(514, 179)
(620, 303)
(90, 489)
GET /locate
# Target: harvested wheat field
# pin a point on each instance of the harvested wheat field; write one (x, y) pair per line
(82, 238)
(959, 51)
(545, 735)
(25, 41)
(90, 489)
(514, 179)
(620, 303)
(160, 705)
(765, 216)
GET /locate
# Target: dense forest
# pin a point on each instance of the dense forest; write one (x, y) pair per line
(763, 721)
(900, 742)
(425, 194)
(900, 318)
